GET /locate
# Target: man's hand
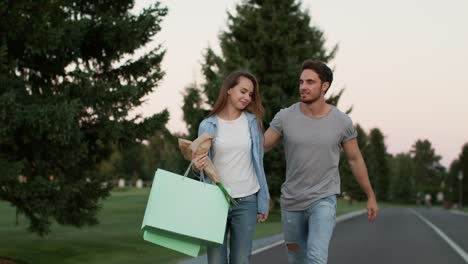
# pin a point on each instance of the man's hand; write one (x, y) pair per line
(372, 209)
(358, 167)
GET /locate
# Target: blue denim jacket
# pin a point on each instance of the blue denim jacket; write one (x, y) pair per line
(210, 126)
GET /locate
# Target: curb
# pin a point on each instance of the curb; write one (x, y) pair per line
(458, 212)
(265, 243)
(351, 215)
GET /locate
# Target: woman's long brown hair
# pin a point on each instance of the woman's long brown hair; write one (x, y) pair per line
(255, 107)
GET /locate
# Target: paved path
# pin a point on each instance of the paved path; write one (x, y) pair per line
(400, 235)
(262, 247)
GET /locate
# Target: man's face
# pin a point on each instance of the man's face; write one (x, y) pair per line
(311, 87)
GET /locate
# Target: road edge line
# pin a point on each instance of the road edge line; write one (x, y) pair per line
(258, 250)
(447, 239)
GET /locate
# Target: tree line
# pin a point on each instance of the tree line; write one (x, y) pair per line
(402, 178)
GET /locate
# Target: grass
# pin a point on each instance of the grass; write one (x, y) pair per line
(117, 239)
(463, 210)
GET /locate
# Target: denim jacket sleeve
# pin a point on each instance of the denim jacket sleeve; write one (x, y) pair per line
(263, 193)
(203, 128)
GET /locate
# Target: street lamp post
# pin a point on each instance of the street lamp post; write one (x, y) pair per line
(460, 178)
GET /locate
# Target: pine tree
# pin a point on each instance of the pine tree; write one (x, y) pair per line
(426, 167)
(452, 190)
(68, 83)
(463, 163)
(402, 185)
(377, 164)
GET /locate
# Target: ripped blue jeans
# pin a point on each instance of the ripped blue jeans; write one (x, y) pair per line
(307, 233)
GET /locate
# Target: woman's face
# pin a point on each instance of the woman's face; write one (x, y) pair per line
(240, 95)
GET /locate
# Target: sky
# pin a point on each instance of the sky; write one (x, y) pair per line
(403, 64)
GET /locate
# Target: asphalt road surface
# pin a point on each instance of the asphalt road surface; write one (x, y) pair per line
(399, 235)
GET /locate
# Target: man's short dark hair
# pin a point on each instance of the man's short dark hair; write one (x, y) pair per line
(325, 74)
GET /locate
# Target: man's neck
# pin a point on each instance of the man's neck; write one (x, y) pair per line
(317, 109)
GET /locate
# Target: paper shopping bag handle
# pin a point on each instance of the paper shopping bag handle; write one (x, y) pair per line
(202, 173)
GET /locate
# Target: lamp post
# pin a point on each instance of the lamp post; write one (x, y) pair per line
(460, 178)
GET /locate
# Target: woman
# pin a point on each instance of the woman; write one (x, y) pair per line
(237, 153)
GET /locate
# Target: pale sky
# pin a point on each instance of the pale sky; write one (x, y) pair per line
(403, 63)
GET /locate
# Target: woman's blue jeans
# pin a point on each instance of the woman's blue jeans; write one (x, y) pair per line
(307, 233)
(241, 227)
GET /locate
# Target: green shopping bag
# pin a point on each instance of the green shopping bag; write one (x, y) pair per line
(183, 214)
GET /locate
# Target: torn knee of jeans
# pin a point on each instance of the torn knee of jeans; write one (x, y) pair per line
(292, 246)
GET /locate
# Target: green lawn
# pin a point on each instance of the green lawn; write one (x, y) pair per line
(117, 239)
(463, 210)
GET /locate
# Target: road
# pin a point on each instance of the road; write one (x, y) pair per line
(400, 235)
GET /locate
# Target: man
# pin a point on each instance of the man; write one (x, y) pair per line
(313, 134)
(427, 200)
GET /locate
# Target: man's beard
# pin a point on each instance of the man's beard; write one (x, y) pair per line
(310, 100)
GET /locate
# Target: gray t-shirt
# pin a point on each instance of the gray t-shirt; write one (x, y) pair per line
(312, 148)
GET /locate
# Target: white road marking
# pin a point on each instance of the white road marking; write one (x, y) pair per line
(267, 247)
(449, 241)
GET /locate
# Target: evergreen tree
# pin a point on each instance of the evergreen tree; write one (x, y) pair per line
(377, 164)
(109, 168)
(193, 109)
(270, 38)
(402, 185)
(132, 164)
(68, 84)
(463, 163)
(452, 184)
(426, 167)
(362, 139)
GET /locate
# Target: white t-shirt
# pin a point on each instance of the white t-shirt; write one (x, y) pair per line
(233, 157)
